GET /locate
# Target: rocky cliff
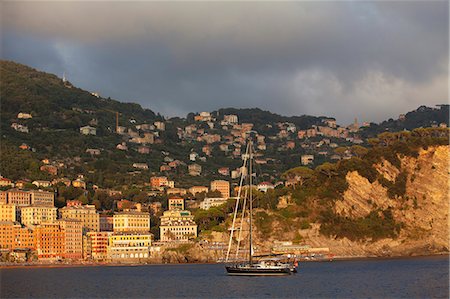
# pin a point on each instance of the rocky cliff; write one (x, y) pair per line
(423, 210)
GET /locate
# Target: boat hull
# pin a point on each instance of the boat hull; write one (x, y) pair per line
(253, 271)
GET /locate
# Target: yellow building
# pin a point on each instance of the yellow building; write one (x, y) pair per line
(176, 203)
(13, 235)
(79, 184)
(198, 189)
(125, 247)
(176, 191)
(177, 225)
(35, 215)
(7, 212)
(3, 197)
(87, 214)
(131, 221)
(42, 198)
(222, 186)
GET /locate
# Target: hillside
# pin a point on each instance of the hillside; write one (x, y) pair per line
(55, 104)
(393, 201)
(421, 117)
(56, 110)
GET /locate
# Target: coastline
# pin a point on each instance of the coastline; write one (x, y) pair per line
(89, 264)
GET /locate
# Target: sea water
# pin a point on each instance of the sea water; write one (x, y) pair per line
(424, 277)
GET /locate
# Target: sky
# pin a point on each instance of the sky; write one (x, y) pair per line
(343, 59)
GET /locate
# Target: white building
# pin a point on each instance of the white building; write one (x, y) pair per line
(88, 130)
(22, 115)
(307, 159)
(265, 186)
(212, 202)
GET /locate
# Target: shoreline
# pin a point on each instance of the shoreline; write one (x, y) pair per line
(335, 259)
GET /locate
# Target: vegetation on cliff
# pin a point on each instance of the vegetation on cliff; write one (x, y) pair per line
(312, 199)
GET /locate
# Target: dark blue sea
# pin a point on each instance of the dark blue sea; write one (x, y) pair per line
(425, 277)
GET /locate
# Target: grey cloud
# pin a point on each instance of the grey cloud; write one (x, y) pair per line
(292, 58)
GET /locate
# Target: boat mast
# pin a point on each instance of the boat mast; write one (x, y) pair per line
(251, 200)
(245, 158)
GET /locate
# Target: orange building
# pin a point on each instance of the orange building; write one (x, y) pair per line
(50, 241)
(7, 212)
(3, 197)
(222, 186)
(97, 245)
(73, 238)
(13, 235)
(159, 181)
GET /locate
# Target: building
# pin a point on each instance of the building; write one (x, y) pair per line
(212, 202)
(41, 183)
(36, 215)
(222, 186)
(23, 115)
(144, 150)
(198, 189)
(159, 125)
(230, 119)
(176, 203)
(97, 245)
(177, 225)
(13, 235)
(158, 181)
(131, 221)
(3, 197)
(178, 191)
(87, 214)
(203, 116)
(7, 212)
(143, 166)
(88, 130)
(93, 151)
(50, 242)
(122, 146)
(53, 170)
(78, 183)
(73, 238)
(18, 197)
(307, 159)
(4, 182)
(106, 223)
(155, 207)
(194, 169)
(224, 171)
(125, 247)
(19, 128)
(42, 198)
(265, 186)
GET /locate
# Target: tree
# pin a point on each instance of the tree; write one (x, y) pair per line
(340, 150)
(359, 150)
(300, 174)
(328, 169)
(213, 194)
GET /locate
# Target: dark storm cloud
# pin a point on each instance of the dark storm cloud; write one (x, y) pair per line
(372, 60)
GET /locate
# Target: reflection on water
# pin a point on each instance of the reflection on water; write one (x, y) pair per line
(407, 278)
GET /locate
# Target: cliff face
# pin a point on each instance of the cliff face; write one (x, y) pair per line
(423, 209)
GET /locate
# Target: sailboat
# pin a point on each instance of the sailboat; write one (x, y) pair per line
(249, 266)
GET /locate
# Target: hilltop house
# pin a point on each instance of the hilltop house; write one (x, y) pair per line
(88, 130)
